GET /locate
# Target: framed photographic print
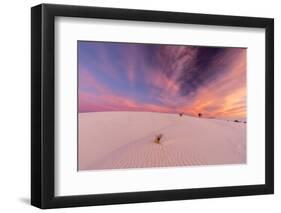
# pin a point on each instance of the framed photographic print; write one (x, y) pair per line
(139, 106)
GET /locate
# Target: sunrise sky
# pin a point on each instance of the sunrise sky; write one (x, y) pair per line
(162, 78)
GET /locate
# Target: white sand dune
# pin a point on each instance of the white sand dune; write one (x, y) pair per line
(115, 140)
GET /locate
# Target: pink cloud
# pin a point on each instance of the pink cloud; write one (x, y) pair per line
(113, 102)
(160, 81)
(86, 81)
(225, 97)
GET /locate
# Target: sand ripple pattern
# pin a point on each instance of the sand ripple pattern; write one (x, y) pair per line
(186, 141)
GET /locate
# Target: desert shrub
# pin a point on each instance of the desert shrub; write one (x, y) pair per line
(199, 115)
(158, 138)
(236, 121)
(181, 114)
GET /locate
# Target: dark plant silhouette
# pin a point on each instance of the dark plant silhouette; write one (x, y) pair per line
(181, 114)
(236, 121)
(158, 138)
(199, 115)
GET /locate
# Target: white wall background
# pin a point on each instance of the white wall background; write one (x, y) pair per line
(15, 105)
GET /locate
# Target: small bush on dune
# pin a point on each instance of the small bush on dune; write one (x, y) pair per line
(158, 138)
(181, 114)
(199, 115)
(236, 121)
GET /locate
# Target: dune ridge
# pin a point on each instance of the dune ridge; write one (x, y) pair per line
(128, 141)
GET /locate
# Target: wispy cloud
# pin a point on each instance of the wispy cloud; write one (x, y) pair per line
(162, 78)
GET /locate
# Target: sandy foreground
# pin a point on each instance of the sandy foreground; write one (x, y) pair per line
(118, 140)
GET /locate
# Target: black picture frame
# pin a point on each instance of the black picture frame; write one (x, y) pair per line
(43, 102)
